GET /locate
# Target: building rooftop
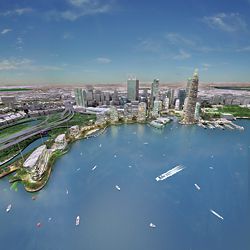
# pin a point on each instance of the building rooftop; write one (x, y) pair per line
(32, 159)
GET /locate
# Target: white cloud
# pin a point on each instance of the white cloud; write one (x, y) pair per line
(14, 63)
(80, 8)
(24, 64)
(149, 45)
(230, 22)
(177, 39)
(79, 2)
(16, 12)
(5, 31)
(103, 60)
(182, 55)
(244, 49)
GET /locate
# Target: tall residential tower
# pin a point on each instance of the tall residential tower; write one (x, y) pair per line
(132, 89)
(189, 112)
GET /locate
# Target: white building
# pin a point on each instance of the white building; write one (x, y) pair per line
(74, 131)
(142, 112)
(36, 163)
(113, 114)
(156, 109)
(177, 104)
(60, 142)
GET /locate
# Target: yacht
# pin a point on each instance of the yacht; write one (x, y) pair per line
(117, 187)
(152, 225)
(8, 208)
(77, 220)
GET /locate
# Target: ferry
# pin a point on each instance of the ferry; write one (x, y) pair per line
(156, 124)
(77, 220)
(117, 187)
(152, 225)
(169, 173)
(8, 208)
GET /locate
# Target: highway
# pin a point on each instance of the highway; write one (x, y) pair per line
(38, 129)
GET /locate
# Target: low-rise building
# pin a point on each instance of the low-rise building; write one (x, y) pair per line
(60, 142)
(36, 164)
(74, 131)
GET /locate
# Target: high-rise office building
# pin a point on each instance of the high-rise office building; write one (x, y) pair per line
(80, 97)
(197, 111)
(154, 92)
(189, 114)
(181, 97)
(132, 89)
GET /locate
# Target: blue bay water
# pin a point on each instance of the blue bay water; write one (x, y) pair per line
(216, 160)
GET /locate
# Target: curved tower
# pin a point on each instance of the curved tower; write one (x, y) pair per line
(189, 117)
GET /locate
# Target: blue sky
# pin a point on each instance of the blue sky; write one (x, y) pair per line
(105, 41)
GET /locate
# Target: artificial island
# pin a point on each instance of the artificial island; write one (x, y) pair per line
(59, 116)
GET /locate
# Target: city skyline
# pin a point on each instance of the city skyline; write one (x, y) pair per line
(91, 41)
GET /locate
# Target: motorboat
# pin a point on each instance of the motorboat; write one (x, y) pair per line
(77, 220)
(94, 168)
(152, 225)
(8, 208)
(197, 186)
(169, 173)
(117, 187)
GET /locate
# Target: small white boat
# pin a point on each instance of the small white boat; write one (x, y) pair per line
(100, 145)
(49, 219)
(115, 156)
(77, 220)
(78, 169)
(145, 143)
(8, 208)
(67, 191)
(94, 168)
(197, 187)
(117, 187)
(152, 225)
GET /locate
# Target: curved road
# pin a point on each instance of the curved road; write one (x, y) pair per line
(34, 131)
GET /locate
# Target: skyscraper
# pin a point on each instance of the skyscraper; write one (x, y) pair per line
(132, 89)
(154, 92)
(189, 113)
(80, 97)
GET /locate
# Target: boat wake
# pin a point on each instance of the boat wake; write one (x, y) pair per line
(216, 214)
(169, 173)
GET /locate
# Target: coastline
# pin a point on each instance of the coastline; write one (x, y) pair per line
(85, 133)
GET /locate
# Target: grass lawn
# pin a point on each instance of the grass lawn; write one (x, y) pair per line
(14, 89)
(13, 129)
(235, 110)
